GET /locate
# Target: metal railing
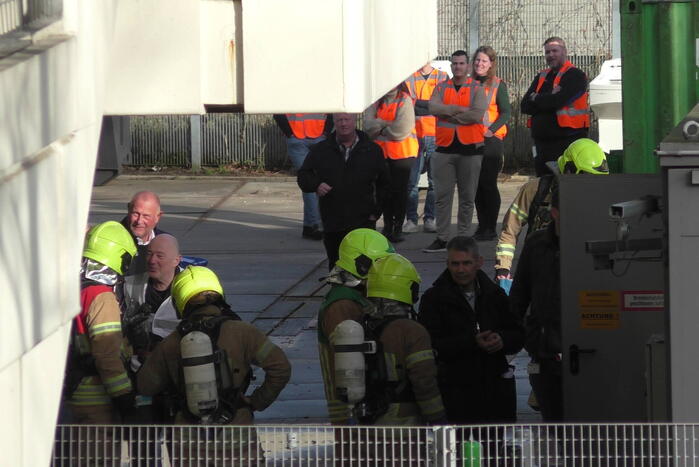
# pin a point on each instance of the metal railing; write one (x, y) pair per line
(29, 15)
(304, 445)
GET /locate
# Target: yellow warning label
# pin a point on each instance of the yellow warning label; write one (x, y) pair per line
(599, 299)
(599, 319)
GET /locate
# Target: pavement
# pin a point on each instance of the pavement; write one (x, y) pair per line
(249, 229)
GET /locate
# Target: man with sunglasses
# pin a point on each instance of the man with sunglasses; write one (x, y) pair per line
(531, 206)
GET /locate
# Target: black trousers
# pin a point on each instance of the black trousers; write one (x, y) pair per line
(550, 151)
(487, 195)
(332, 240)
(548, 388)
(395, 206)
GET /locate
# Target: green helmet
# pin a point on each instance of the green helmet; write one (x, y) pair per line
(109, 243)
(190, 282)
(360, 248)
(394, 277)
(583, 155)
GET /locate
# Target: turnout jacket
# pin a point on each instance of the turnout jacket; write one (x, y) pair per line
(468, 375)
(100, 320)
(359, 185)
(515, 219)
(244, 344)
(537, 287)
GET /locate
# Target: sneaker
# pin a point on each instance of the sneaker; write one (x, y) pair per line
(409, 227)
(436, 246)
(430, 226)
(311, 232)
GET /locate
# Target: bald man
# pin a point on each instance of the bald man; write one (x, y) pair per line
(149, 315)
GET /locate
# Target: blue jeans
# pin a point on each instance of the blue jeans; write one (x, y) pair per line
(297, 150)
(427, 147)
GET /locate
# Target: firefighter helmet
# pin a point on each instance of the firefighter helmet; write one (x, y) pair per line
(394, 277)
(360, 248)
(192, 281)
(109, 243)
(583, 155)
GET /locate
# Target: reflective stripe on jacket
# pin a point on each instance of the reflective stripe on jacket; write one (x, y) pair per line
(306, 125)
(401, 149)
(467, 134)
(98, 329)
(492, 113)
(575, 115)
(422, 89)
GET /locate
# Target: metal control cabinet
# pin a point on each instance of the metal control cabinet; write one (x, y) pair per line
(679, 161)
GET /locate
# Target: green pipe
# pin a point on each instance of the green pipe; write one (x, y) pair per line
(659, 74)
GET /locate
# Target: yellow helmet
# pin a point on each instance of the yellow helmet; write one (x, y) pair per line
(190, 282)
(109, 243)
(394, 277)
(360, 248)
(583, 155)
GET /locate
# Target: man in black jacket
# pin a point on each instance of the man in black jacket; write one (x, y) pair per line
(557, 101)
(348, 173)
(537, 287)
(472, 330)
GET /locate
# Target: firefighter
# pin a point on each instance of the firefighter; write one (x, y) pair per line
(346, 301)
(97, 387)
(532, 204)
(228, 347)
(401, 376)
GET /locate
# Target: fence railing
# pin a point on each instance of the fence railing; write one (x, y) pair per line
(304, 445)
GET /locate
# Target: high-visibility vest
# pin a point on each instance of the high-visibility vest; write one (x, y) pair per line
(492, 113)
(574, 115)
(306, 125)
(467, 134)
(404, 148)
(421, 89)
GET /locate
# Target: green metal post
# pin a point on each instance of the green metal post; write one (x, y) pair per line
(659, 79)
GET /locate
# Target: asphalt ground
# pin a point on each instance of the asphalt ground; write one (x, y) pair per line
(249, 230)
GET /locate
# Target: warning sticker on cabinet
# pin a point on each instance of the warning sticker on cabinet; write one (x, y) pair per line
(599, 309)
(643, 300)
(599, 319)
(598, 299)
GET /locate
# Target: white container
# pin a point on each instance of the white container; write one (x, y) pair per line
(605, 102)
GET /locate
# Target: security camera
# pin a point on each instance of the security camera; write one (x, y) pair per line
(638, 207)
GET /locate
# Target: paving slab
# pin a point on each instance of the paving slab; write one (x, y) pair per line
(265, 325)
(250, 303)
(280, 309)
(309, 309)
(290, 327)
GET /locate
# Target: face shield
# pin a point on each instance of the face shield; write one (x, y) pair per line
(98, 272)
(341, 277)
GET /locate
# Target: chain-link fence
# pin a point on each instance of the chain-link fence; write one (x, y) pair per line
(515, 28)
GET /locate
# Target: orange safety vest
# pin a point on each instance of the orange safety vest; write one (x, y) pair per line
(467, 134)
(492, 113)
(421, 89)
(575, 115)
(404, 148)
(306, 125)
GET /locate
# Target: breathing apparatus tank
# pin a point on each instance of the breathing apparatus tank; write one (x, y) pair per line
(348, 343)
(199, 374)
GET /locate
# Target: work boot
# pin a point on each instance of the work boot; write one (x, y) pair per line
(397, 235)
(312, 232)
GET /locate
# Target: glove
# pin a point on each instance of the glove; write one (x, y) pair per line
(504, 279)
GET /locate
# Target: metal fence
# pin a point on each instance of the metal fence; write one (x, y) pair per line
(515, 28)
(304, 445)
(16, 15)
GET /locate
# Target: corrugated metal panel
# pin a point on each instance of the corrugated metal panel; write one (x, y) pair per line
(10, 15)
(160, 140)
